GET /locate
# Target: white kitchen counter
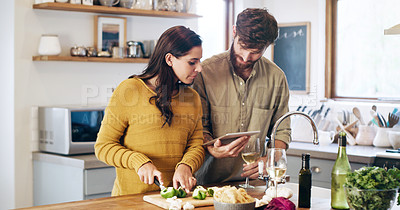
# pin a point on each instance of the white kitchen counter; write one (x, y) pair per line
(88, 161)
(356, 154)
(320, 197)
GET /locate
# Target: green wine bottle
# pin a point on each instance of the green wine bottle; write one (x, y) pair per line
(339, 172)
(305, 182)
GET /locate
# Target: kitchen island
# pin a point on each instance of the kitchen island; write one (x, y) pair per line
(320, 199)
(59, 178)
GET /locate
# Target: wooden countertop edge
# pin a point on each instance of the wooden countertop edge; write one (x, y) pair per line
(137, 202)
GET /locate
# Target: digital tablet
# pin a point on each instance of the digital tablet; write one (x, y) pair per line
(229, 137)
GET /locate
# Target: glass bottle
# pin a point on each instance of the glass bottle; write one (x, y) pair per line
(339, 172)
(305, 182)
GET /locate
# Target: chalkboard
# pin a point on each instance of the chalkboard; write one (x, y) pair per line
(291, 52)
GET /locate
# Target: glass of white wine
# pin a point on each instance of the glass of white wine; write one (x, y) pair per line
(250, 154)
(276, 165)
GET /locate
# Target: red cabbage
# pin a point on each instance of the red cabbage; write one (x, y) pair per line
(280, 203)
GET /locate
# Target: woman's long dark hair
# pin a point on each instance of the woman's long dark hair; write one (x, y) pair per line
(178, 41)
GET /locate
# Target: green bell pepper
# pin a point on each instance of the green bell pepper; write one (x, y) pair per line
(199, 193)
(169, 192)
(210, 192)
(181, 193)
(201, 188)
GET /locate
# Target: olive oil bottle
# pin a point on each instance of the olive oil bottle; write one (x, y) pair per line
(305, 182)
(339, 172)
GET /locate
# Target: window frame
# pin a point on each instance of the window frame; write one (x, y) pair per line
(229, 22)
(330, 57)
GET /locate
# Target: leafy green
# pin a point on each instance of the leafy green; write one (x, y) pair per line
(371, 178)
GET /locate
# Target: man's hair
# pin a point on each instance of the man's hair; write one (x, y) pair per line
(256, 28)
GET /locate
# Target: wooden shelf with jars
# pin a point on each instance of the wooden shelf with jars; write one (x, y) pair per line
(112, 10)
(90, 59)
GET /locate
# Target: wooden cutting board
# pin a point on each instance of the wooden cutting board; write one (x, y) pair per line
(157, 200)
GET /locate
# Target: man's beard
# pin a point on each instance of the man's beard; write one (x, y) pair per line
(238, 66)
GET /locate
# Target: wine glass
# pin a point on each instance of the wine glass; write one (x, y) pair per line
(250, 154)
(276, 165)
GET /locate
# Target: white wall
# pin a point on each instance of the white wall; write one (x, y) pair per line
(58, 83)
(291, 11)
(313, 11)
(7, 157)
(61, 83)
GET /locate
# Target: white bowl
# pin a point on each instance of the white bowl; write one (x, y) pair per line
(234, 206)
(394, 139)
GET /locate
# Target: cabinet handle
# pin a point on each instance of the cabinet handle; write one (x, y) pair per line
(316, 169)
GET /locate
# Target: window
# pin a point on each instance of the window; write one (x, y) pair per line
(361, 61)
(215, 25)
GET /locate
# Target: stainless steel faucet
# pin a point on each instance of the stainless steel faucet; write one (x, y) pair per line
(314, 127)
(273, 133)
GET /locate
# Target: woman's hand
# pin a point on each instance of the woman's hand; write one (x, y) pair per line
(183, 176)
(147, 172)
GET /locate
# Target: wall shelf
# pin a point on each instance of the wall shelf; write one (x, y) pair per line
(90, 59)
(112, 10)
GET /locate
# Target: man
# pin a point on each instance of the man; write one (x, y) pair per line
(242, 91)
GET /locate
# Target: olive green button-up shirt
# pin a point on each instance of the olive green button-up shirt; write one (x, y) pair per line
(231, 104)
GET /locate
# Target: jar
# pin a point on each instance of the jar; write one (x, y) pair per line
(75, 1)
(49, 45)
(365, 135)
(381, 138)
(78, 51)
(91, 52)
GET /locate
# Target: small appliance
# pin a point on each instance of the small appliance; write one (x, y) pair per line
(69, 130)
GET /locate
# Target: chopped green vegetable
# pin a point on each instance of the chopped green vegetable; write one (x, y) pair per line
(372, 178)
(169, 192)
(199, 193)
(181, 193)
(201, 188)
(210, 191)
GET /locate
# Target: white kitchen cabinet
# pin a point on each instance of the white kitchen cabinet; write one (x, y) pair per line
(321, 175)
(322, 160)
(58, 178)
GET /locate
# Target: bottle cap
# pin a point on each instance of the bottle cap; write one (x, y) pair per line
(342, 139)
(305, 156)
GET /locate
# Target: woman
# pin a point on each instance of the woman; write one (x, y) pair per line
(152, 124)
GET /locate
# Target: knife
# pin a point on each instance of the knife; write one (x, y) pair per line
(158, 183)
(318, 117)
(393, 150)
(324, 123)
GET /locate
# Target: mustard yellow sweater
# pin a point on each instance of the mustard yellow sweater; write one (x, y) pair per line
(145, 139)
